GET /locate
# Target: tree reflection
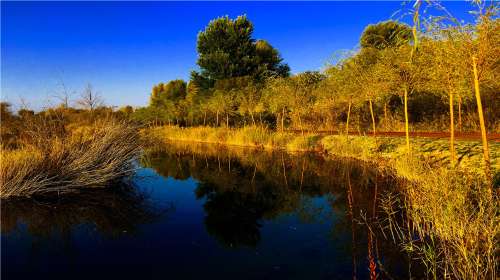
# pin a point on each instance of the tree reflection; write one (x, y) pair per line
(242, 188)
(233, 217)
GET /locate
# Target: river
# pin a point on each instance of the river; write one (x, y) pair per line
(211, 212)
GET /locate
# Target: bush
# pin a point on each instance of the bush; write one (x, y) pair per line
(54, 164)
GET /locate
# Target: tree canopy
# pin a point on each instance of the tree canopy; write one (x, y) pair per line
(173, 90)
(226, 49)
(385, 34)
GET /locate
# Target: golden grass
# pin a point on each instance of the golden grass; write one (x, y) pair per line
(450, 219)
(87, 158)
(250, 136)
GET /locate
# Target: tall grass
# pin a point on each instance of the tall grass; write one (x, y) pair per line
(250, 136)
(447, 220)
(58, 162)
(444, 216)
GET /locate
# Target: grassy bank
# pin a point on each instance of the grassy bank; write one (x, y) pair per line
(432, 153)
(52, 160)
(450, 219)
(252, 136)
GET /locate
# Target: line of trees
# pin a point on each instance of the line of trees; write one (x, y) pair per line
(243, 81)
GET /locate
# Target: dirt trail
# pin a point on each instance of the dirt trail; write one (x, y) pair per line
(494, 137)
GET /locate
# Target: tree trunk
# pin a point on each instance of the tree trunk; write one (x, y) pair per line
(253, 119)
(205, 118)
(386, 121)
(407, 130)
(278, 119)
(452, 130)
(460, 114)
(217, 120)
(301, 127)
(283, 120)
(373, 118)
(227, 120)
(486, 153)
(348, 116)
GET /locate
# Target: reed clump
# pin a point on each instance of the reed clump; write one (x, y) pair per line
(447, 219)
(49, 159)
(443, 215)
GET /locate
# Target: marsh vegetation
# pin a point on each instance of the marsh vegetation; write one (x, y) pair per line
(45, 155)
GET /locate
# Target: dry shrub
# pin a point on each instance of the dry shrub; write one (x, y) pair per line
(54, 161)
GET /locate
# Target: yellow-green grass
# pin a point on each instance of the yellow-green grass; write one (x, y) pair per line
(449, 208)
(431, 152)
(251, 136)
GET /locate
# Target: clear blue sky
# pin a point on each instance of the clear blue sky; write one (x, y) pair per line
(124, 48)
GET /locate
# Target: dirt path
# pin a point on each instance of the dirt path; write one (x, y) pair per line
(494, 137)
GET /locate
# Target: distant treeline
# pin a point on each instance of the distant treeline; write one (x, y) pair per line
(243, 81)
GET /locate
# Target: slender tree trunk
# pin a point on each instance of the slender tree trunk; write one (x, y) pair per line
(452, 130)
(217, 120)
(253, 119)
(284, 170)
(348, 116)
(460, 114)
(205, 118)
(301, 127)
(278, 119)
(283, 120)
(373, 118)
(486, 153)
(386, 121)
(227, 120)
(407, 130)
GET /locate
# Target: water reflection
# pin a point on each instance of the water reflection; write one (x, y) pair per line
(244, 188)
(112, 212)
(261, 214)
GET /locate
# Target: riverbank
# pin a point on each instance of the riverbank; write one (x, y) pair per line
(433, 153)
(450, 209)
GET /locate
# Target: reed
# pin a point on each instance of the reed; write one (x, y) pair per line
(250, 136)
(52, 163)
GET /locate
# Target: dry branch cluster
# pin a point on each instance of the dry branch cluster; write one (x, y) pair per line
(58, 163)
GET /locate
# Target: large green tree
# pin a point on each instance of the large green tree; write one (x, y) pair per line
(385, 34)
(227, 50)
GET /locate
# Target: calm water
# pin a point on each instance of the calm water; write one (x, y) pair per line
(213, 213)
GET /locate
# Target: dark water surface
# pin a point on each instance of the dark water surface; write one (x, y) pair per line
(206, 212)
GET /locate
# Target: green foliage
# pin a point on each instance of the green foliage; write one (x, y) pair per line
(227, 50)
(385, 34)
(172, 91)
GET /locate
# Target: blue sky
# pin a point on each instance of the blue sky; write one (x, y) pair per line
(124, 48)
